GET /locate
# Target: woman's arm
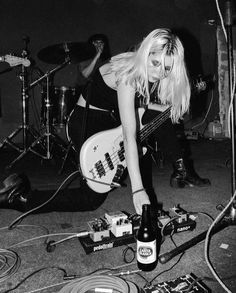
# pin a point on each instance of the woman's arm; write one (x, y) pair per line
(126, 96)
(157, 107)
(86, 71)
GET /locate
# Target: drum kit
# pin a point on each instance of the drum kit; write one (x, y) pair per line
(57, 102)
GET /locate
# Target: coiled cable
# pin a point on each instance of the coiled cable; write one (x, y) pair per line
(100, 283)
(9, 263)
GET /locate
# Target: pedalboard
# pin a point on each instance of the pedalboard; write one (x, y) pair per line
(110, 242)
(187, 283)
(117, 228)
(114, 229)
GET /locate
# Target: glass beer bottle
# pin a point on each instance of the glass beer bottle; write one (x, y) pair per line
(146, 242)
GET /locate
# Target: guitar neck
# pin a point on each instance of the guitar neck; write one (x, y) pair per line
(199, 85)
(148, 129)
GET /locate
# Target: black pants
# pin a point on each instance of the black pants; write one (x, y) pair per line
(83, 198)
(168, 136)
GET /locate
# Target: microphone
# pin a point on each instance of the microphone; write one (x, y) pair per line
(25, 51)
(165, 257)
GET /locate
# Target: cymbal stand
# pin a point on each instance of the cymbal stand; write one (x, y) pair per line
(48, 138)
(24, 128)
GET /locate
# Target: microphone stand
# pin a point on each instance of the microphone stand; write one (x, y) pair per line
(229, 31)
(24, 127)
(230, 214)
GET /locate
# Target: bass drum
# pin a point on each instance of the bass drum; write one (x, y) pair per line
(62, 101)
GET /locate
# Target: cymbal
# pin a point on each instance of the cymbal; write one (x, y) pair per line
(76, 51)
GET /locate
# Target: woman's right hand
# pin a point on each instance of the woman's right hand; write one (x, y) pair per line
(139, 199)
(99, 49)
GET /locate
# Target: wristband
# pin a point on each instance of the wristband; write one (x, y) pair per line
(139, 190)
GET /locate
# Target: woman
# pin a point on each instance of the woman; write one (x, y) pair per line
(86, 68)
(116, 89)
(159, 60)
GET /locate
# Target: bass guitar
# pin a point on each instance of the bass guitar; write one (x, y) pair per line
(14, 60)
(102, 156)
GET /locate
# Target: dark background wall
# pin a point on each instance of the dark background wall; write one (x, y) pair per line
(125, 22)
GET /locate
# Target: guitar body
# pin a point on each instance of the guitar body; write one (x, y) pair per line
(102, 160)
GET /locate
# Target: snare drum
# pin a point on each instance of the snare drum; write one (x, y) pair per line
(62, 101)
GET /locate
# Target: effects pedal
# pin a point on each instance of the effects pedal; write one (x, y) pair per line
(99, 229)
(175, 221)
(180, 213)
(119, 223)
(163, 217)
(187, 283)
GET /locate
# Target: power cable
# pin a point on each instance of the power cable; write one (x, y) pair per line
(20, 218)
(32, 274)
(207, 242)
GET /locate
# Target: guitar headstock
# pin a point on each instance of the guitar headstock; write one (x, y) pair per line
(15, 60)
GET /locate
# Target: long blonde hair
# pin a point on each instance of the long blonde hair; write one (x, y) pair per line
(174, 89)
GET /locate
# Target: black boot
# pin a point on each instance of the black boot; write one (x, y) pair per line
(185, 175)
(14, 193)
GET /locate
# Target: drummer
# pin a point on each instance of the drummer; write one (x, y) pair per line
(86, 68)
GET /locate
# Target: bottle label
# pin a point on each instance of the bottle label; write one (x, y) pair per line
(146, 252)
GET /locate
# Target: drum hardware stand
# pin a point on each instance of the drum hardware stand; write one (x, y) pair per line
(48, 138)
(69, 149)
(25, 128)
(83, 131)
(229, 219)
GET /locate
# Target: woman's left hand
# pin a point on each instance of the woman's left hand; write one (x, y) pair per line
(139, 199)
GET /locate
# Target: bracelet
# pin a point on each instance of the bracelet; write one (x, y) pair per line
(139, 190)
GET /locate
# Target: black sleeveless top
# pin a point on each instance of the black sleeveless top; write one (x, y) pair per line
(101, 95)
